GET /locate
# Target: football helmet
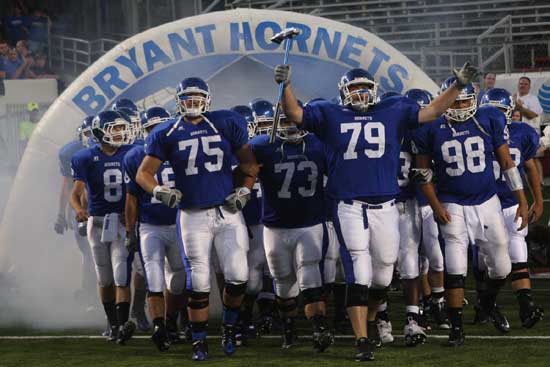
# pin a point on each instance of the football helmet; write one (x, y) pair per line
(421, 96)
(153, 116)
(85, 131)
(263, 114)
(501, 99)
(288, 130)
(112, 128)
(246, 112)
(358, 99)
(467, 93)
(192, 97)
(127, 107)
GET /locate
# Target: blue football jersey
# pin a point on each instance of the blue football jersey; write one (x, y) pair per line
(363, 148)
(524, 142)
(463, 155)
(66, 154)
(103, 177)
(407, 188)
(151, 210)
(292, 181)
(200, 155)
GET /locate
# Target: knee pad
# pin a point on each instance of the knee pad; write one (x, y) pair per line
(287, 305)
(519, 266)
(175, 282)
(235, 290)
(312, 295)
(453, 281)
(519, 275)
(198, 300)
(380, 294)
(357, 295)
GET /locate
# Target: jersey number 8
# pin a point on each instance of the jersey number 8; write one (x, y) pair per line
(112, 179)
(475, 156)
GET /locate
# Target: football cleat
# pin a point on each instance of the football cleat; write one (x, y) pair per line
(113, 334)
(414, 335)
(185, 331)
(481, 317)
(228, 339)
(456, 337)
(289, 337)
(364, 350)
(125, 333)
(200, 350)
(439, 315)
(529, 317)
(499, 320)
(322, 339)
(160, 338)
(385, 331)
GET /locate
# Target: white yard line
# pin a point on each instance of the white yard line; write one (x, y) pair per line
(474, 337)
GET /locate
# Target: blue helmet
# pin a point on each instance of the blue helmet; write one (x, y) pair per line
(246, 112)
(154, 116)
(85, 131)
(128, 108)
(288, 130)
(388, 94)
(196, 93)
(501, 99)
(263, 114)
(124, 103)
(421, 96)
(467, 93)
(359, 99)
(112, 128)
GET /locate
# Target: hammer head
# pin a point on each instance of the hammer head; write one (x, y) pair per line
(284, 34)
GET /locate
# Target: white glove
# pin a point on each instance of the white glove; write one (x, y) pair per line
(237, 199)
(282, 74)
(465, 75)
(169, 197)
(545, 141)
(546, 131)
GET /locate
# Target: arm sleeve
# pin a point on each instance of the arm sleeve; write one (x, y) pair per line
(79, 168)
(313, 118)
(155, 145)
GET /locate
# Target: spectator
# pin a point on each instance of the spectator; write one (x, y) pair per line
(489, 79)
(15, 67)
(16, 25)
(22, 49)
(4, 49)
(528, 104)
(38, 32)
(40, 69)
(517, 116)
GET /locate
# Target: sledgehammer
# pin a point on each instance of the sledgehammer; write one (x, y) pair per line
(285, 35)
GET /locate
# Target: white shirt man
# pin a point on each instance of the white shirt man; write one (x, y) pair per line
(528, 104)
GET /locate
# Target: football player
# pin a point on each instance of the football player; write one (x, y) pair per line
(523, 143)
(66, 152)
(364, 140)
(462, 144)
(129, 108)
(200, 144)
(98, 171)
(156, 238)
(293, 215)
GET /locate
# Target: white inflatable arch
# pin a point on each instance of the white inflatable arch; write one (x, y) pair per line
(232, 51)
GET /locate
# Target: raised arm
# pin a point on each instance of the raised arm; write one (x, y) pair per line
(439, 105)
(291, 108)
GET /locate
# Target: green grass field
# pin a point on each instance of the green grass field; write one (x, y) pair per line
(484, 345)
(519, 347)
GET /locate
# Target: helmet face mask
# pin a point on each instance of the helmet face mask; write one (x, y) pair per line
(501, 99)
(112, 128)
(262, 117)
(289, 131)
(358, 90)
(193, 97)
(456, 112)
